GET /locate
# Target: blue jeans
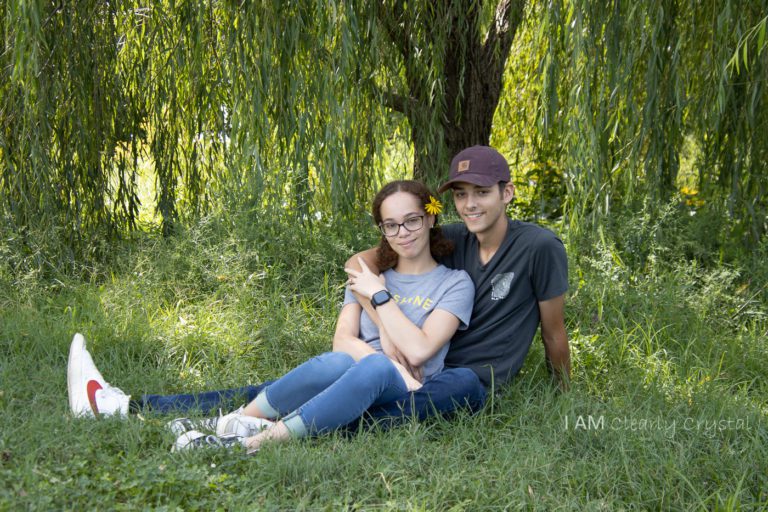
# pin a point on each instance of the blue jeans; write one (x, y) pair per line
(329, 391)
(445, 393)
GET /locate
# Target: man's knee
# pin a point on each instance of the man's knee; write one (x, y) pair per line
(454, 388)
(450, 390)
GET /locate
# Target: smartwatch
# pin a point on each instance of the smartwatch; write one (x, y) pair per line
(380, 297)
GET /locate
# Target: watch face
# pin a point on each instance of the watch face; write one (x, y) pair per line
(380, 297)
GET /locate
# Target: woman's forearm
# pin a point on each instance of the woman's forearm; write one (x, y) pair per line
(415, 343)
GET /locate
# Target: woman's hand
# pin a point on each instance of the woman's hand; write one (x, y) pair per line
(391, 351)
(410, 383)
(365, 282)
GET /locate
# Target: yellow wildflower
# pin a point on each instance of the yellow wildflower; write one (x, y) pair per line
(433, 207)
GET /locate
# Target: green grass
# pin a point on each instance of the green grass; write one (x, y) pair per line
(667, 410)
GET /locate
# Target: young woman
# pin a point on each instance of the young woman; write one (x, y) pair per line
(417, 306)
(391, 335)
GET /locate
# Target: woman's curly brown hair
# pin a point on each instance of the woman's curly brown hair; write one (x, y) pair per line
(438, 244)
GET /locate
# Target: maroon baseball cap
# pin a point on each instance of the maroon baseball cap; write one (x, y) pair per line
(480, 165)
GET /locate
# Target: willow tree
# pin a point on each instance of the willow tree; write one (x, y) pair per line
(287, 108)
(630, 87)
(273, 105)
(448, 60)
(261, 107)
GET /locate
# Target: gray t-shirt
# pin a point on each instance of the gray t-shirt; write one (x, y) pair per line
(417, 296)
(529, 266)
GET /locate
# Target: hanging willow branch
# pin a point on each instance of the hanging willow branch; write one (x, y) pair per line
(288, 109)
(261, 107)
(626, 85)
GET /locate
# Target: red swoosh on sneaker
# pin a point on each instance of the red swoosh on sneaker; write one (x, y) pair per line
(92, 387)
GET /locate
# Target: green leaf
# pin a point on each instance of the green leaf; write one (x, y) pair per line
(744, 52)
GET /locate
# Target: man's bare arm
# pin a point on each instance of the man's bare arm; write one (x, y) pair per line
(369, 256)
(555, 339)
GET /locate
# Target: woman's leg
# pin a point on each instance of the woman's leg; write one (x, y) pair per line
(372, 380)
(298, 386)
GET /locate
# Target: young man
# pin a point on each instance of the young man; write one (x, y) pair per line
(520, 273)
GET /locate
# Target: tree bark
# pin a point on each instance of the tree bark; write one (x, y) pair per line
(471, 78)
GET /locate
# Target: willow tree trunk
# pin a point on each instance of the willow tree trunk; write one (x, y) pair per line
(454, 74)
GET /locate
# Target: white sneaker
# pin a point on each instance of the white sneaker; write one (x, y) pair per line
(236, 423)
(195, 440)
(181, 426)
(233, 423)
(89, 393)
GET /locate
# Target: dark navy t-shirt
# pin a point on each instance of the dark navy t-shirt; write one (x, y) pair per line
(529, 266)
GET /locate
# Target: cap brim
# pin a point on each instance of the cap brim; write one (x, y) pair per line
(481, 180)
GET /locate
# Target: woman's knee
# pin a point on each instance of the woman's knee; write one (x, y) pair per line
(376, 364)
(338, 361)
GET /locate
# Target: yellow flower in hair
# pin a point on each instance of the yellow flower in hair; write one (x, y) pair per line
(433, 207)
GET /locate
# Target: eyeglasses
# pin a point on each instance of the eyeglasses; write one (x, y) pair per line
(411, 224)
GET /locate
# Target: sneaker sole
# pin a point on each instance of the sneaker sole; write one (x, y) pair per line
(74, 373)
(187, 441)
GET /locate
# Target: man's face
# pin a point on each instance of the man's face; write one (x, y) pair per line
(482, 208)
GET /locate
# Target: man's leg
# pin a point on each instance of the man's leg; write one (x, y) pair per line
(207, 402)
(312, 377)
(450, 390)
(91, 395)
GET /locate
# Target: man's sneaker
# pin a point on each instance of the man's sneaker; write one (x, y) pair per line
(89, 393)
(232, 423)
(195, 440)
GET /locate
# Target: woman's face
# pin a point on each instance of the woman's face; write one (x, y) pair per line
(400, 208)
